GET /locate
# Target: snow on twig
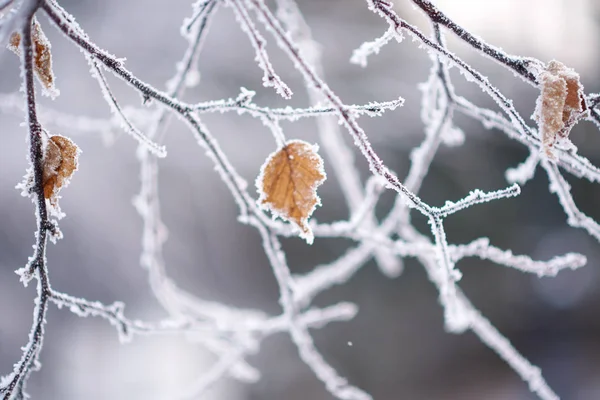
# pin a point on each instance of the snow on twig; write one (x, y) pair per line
(234, 333)
(270, 78)
(478, 197)
(96, 72)
(338, 152)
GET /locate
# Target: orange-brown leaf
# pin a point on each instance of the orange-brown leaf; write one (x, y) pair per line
(288, 182)
(560, 105)
(60, 161)
(14, 42)
(42, 57)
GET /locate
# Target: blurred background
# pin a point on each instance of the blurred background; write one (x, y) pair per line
(399, 349)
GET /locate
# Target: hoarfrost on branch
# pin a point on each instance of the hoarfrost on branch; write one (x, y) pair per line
(234, 333)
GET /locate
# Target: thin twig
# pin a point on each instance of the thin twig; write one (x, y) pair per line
(16, 382)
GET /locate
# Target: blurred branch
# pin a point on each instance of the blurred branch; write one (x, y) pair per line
(233, 333)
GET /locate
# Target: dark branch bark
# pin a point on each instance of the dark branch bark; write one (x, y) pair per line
(517, 64)
(37, 264)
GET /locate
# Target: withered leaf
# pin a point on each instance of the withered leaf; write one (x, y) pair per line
(60, 161)
(14, 42)
(560, 105)
(42, 57)
(288, 181)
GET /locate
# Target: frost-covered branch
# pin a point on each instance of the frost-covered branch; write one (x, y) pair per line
(14, 384)
(478, 197)
(483, 249)
(270, 78)
(562, 189)
(300, 335)
(338, 152)
(520, 65)
(233, 333)
(243, 104)
(337, 385)
(78, 124)
(96, 72)
(517, 127)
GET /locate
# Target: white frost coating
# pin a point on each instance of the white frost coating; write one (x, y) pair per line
(338, 272)
(483, 249)
(47, 90)
(575, 164)
(215, 373)
(489, 335)
(525, 171)
(478, 197)
(243, 104)
(472, 319)
(95, 71)
(559, 106)
(453, 136)
(339, 155)
(360, 55)
(562, 189)
(233, 333)
(335, 384)
(270, 78)
(201, 9)
(193, 30)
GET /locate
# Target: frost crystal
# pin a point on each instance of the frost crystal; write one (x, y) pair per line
(289, 178)
(560, 105)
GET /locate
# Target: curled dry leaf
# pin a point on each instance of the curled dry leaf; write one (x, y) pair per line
(288, 181)
(60, 161)
(560, 105)
(42, 57)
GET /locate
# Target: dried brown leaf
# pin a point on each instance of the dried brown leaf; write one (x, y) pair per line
(60, 162)
(552, 105)
(288, 182)
(42, 57)
(14, 42)
(560, 105)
